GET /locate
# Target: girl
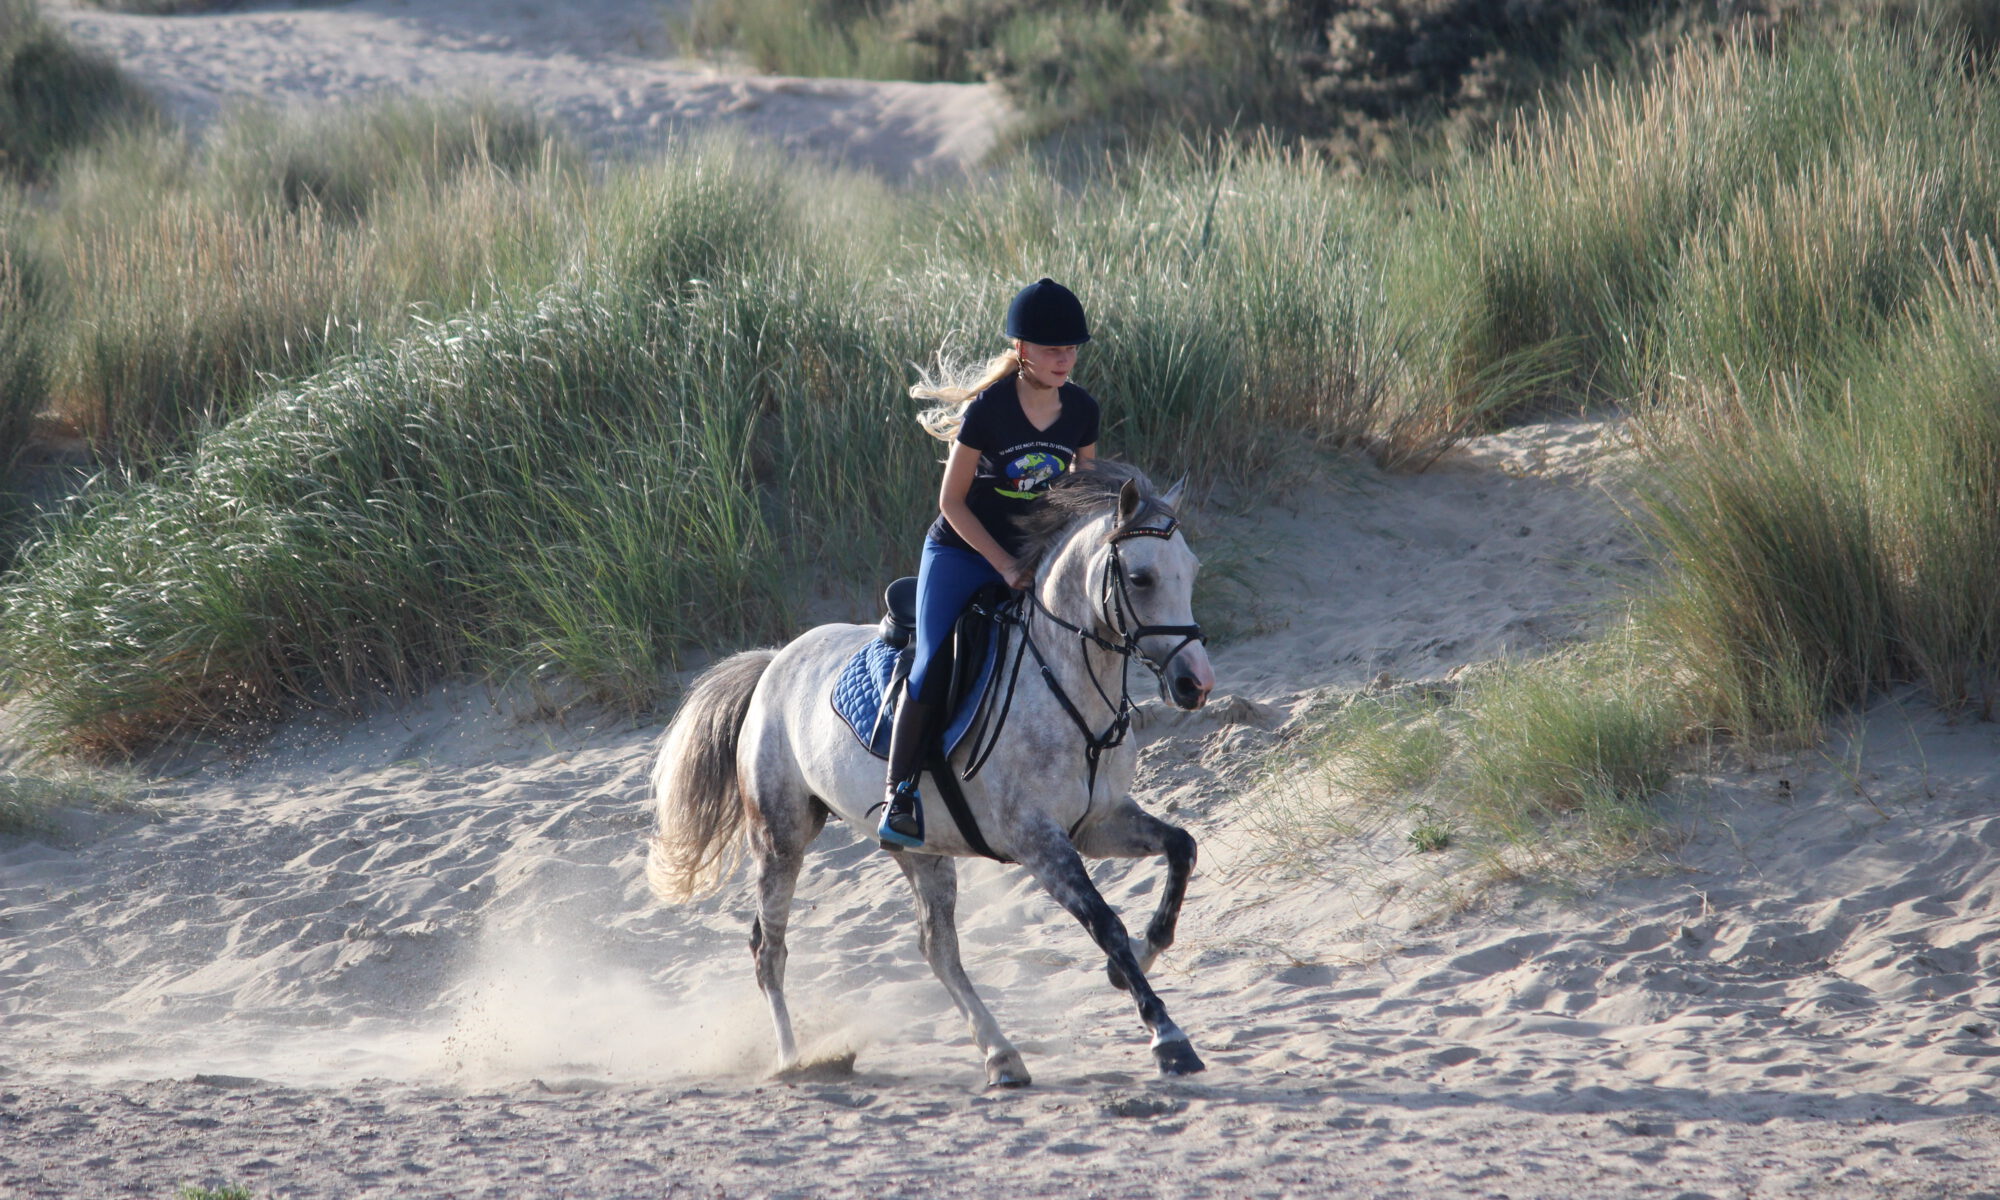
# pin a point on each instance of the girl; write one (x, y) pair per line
(1012, 433)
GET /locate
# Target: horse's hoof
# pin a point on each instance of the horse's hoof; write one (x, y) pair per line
(1178, 1058)
(1007, 1071)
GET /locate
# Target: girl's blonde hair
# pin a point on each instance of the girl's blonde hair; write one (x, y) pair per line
(954, 386)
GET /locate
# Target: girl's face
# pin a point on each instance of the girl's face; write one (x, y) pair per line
(1046, 366)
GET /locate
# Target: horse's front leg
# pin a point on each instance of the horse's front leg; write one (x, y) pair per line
(935, 881)
(1048, 855)
(1128, 831)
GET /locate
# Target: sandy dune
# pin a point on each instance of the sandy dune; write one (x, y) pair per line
(601, 67)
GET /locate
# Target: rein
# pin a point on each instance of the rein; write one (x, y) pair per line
(1114, 595)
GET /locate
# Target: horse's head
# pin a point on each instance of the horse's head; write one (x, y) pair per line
(1115, 567)
(1148, 593)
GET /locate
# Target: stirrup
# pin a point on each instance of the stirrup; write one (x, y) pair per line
(902, 821)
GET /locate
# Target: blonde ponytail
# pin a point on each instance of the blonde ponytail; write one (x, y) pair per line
(953, 387)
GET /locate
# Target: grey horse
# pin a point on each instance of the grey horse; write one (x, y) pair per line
(757, 759)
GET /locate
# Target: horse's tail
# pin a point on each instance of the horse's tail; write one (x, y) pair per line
(697, 794)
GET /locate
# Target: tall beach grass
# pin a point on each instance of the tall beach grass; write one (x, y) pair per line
(1778, 255)
(23, 334)
(1845, 540)
(588, 478)
(1779, 259)
(178, 278)
(1728, 214)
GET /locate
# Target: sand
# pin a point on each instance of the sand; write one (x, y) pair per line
(605, 69)
(413, 954)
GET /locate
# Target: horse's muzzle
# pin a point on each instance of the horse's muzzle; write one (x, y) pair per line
(1189, 679)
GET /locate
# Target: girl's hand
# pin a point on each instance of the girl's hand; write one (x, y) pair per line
(1017, 576)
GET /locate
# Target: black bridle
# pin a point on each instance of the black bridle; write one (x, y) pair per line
(1116, 592)
(1113, 603)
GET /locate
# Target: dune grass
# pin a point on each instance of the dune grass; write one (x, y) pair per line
(411, 393)
(193, 1191)
(1732, 213)
(163, 8)
(342, 160)
(584, 479)
(1550, 768)
(843, 40)
(23, 333)
(1780, 258)
(375, 527)
(1844, 541)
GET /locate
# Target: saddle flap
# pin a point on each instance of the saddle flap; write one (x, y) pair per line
(971, 641)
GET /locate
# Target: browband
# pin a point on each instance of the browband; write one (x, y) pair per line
(1159, 531)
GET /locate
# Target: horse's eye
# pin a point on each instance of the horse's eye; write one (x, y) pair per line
(1142, 579)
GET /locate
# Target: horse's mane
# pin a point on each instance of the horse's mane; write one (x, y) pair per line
(1082, 495)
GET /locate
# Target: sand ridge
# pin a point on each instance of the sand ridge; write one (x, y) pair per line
(413, 954)
(601, 68)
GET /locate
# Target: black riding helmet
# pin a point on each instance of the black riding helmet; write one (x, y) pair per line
(1047, 314)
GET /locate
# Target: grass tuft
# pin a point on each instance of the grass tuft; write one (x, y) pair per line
(54, 95)
(340, 161)
(30, 800)
(1552, 767)
(162, 8)
(191, 1191)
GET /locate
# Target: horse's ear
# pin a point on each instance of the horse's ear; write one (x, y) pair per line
(1173, 497)
(1128, 501)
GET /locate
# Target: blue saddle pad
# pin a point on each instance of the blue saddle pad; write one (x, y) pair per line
(857, 696)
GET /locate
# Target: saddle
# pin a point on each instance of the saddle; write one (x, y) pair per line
(961, 661)
(869, 685)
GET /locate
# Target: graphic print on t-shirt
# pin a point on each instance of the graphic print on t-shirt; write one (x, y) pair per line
(1029, 474)
(1018, 460)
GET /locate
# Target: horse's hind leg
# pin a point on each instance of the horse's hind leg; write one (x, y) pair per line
(1131, 832)
(935, 881)
(781, 826)
(1048, 854)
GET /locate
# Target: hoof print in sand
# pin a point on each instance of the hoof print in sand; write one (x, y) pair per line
(818, 1070)
(226, 1081)
(1141, 1106)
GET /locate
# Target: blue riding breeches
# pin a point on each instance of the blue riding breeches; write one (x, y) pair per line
(945, 584)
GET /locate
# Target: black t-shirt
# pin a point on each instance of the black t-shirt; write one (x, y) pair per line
(1016, 460)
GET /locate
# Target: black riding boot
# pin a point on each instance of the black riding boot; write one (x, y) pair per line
(903, 809)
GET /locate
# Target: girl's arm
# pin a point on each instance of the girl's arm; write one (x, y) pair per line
(958, 472)
(1085, 455)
